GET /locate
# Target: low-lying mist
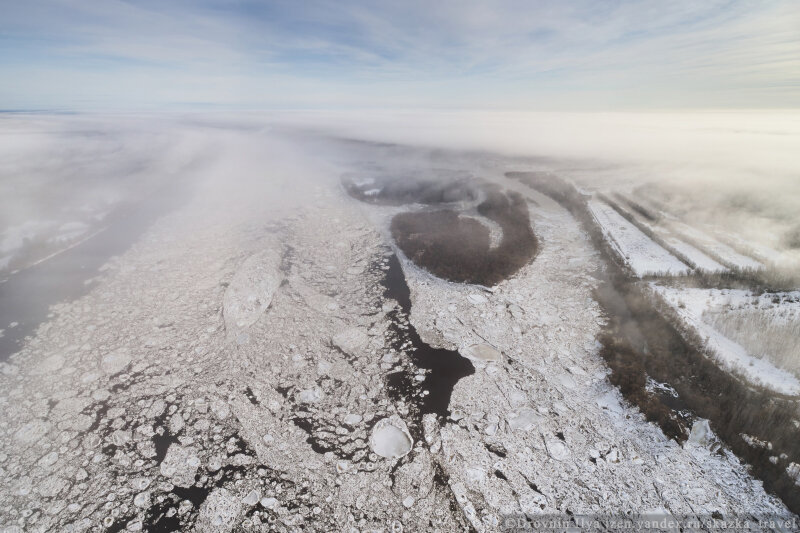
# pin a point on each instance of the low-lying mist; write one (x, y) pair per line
(738, 170)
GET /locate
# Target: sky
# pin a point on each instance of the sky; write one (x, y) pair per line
(316, 54)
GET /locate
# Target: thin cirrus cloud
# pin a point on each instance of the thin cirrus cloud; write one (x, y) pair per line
(509, 54)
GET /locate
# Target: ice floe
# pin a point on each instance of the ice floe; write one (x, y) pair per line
(390, 438)
(251, 289)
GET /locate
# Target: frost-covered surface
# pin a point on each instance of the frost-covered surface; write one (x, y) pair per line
(251, 289)
(390, 438)
(644, 256)
(691, 304)
(133, 409)
(776, 255)
(720, 250)
(700, 260)
(696, 258)
(767, 325)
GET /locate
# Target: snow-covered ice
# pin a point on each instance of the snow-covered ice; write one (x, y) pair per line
(133, 395)
(390, 438)
(250, 292)
(700, 260)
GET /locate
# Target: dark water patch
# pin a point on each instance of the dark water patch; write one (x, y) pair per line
(444, 367)
(441, 480)
(645, 337)
(109, 450)
(442, 242)
(163, 438)
(284, 391)
(498, 449)
(457, 248)
(307, 425)
(323, 438)
(161, 517)
(99, 410)
(126, 381)
(251, 396)
(26, 296)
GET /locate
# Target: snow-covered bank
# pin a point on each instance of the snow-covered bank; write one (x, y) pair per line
(691, 304)
(636, 249)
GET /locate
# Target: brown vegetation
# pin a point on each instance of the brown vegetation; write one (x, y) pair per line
(457, 248)
(390, 189)
(442, 242)
(646, 338)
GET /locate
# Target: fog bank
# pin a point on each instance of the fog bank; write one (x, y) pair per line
(737, 169)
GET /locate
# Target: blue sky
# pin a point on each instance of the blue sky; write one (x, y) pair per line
(540, 55)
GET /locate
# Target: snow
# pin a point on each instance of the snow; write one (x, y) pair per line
(556, 448)
(779, 306)
(722, 251)
(268, 503)
(390, 438)
(695, 257)
(352, 419)
(251, 290)
(482, 352)
(252, 498)
(793, 471)
(690, 304)
(220, 510)
(701, 260)
(179, 465)
(477, 299)
(782, 258)
(115, 361)
(351, 341)
(701, 434)
(310, 395)
(142, 499)
(644, 256)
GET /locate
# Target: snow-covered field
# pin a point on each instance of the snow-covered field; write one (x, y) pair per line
(721, 251)
(766, 324)
(697, 259)
(693, 305)
(644, 256)
(700, 260)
